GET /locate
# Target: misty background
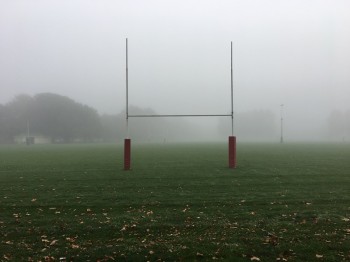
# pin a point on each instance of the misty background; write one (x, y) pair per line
(293, 53)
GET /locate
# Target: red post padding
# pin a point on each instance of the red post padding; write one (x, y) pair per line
(232, 152)
(127, 154)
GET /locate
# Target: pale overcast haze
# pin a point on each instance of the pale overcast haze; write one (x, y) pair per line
(295, 53)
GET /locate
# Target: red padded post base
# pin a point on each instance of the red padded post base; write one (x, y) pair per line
(232, 152)
(127, 154)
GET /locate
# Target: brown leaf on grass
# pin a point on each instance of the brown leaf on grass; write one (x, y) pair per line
(74, 246)
(319, 256)
(271, 239)
(70, 239)
(53, 242)
(199, 254)
(303, 221)
(254, 258)
(9, 242)
(33, 200)
(49, 259)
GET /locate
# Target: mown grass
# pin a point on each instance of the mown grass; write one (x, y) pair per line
(285, 202)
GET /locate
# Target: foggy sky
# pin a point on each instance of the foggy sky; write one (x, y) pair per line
(294, 53)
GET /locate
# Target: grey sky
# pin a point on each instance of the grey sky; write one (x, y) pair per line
(292, 52)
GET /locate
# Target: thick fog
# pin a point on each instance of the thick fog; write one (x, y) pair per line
(294, 53)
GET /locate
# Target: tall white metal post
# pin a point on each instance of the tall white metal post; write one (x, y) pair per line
(127, 89)
(232, 138)
(281, 139)
(232, 127)
(127, 140)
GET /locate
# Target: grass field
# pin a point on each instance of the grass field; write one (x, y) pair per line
(287, 202)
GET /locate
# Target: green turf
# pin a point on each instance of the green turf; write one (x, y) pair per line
(287, 202)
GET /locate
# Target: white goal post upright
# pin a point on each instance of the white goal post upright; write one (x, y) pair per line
(127, 140)
(232, 139)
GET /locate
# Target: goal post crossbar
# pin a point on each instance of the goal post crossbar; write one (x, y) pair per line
(215, 115)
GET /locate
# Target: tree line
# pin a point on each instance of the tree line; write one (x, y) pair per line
(63, 120)
(57, 117)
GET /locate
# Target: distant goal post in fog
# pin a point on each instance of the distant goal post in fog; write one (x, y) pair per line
(127, 141)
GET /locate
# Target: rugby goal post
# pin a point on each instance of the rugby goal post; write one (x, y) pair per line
(127, 141)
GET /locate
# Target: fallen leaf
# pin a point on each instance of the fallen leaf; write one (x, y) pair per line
(199, 254)
(53, 242)
(254, 258)
(319, 256)
(70, 239)
(75, 246)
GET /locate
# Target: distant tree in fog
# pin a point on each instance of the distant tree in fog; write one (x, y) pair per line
(112, 127)
(62, 118)
(18, 113)
(5, 126)
(144, 129)
(339, 125)
(52, 115)
(252, 125)
(141, 129)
